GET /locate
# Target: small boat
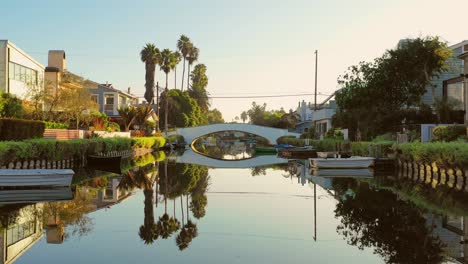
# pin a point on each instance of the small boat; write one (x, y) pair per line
(328, 154)
(20, 196)
(284, 146)
(342, 173)
(36, 177)
(342, 163)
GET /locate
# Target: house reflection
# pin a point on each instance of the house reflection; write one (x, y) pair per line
(21, 228)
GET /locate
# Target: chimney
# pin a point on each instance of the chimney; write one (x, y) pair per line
(128, 90)
(57, 59)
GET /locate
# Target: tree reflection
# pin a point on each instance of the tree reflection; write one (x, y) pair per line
(377, 218)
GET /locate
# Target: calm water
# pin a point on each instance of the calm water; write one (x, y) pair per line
(270, 214)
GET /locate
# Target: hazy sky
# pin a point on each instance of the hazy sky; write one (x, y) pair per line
(250, 47)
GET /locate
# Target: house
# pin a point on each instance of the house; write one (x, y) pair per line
(455, 69)
(464, 78)
(19, 72)
(320, 119)
(111, 99)
(106, 96)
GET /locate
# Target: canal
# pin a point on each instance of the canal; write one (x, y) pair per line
(159, 210)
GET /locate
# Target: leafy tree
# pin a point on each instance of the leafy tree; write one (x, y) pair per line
(151, 56)
(243, 116)
(10, 106)
(184, 110)
(198, 88)
(76, 102)
(214, 116)
(184, 45)
(374, 93)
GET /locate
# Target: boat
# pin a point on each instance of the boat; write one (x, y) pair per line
(284, 146)
(270, 150)
(36, 177)
(342, 173)
(342, 163)
(21, 196)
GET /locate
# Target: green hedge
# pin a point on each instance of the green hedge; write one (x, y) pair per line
(54, 125)
(53, 150)
(19, 129)
(148, 142)
(450, 154)
(449, 133)
(358, 148)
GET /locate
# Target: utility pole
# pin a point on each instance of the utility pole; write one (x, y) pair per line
(315, 94)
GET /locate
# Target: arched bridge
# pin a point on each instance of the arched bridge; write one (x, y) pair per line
(269, 133)
(190, 157)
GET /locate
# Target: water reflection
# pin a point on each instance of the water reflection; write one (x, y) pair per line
(228, 145)
(387, 218)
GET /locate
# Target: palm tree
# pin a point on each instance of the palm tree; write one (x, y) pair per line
(192, 57)
(177, 58)
(183, 45)
(150, 55)
(166, 62)
(148, 231)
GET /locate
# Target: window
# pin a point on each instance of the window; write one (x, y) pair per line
(109, 103)
(20, 232)
(23, 74)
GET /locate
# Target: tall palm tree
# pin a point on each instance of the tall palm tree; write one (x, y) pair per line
(177, 58)
(150, 55)
(166, 62)
(191, 58)
(184, 45)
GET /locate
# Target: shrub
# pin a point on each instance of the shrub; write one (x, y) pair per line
(148, 142)
(449, 133)
(450, 154)
(54, 125)
(10, 106)
(113, 127)
(19, 129)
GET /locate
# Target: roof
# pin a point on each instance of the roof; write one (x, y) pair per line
(9, 43)
(110, 87)
(460, 44)
(463, 55)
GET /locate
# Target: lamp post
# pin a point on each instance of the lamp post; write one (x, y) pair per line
(315, 94)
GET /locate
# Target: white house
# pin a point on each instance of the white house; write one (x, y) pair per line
(18, 71)
(320, 119)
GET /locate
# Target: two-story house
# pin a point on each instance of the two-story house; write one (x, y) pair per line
(320, 119)
(111, 99)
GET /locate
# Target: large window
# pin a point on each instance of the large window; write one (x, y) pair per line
(109, 103)
(23, 74)
(20, 232)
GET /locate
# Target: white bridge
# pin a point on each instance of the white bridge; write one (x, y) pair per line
(191, 157)
(269, 133)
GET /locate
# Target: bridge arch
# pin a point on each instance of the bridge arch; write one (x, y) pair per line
(269, 133)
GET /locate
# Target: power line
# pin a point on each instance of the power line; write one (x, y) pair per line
(258, 96)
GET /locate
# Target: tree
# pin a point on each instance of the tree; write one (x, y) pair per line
(128, 116)
(10, 106)
(177, 58)
(214, 117)
(198, 89)
(192, 57)
(76, 102)
(374, 94)
(167, 62)
(243, 116)
(184, 110)
(183, 45)
(150, 55)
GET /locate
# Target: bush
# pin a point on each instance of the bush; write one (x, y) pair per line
(54, 150)
(450, 154)
(54, 125)
(148, 142)
(449, 133)
(113, 127)
(19, 129)
(10, 106)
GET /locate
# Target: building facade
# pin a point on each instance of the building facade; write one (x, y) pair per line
(455, 69)
(464, 78)
(320, 120)
(111, 99)
(19, 72)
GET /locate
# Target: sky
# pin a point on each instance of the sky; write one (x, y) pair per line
(250, 47)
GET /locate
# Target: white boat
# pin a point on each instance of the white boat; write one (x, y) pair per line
(36, 177)
(342, 173)
(16, 196)
(342, 163)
